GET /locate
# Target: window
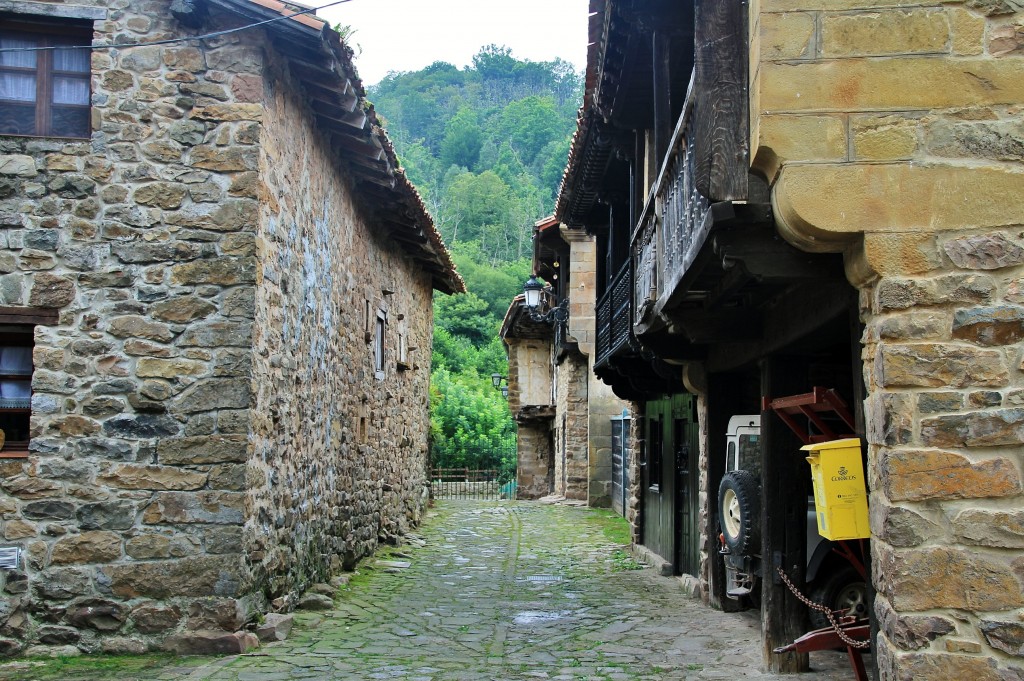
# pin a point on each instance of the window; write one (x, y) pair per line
(750, 454)
(15, 389)
(367, 321)
(378, 348)
(654, 459)
(44, 92)
(403, 344)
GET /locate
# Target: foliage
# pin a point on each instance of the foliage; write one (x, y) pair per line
(92, 667)
(462, 139)
(614, 527)
(485, 146)
(470, 425)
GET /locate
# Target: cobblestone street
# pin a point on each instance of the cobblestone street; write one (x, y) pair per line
(507, 591)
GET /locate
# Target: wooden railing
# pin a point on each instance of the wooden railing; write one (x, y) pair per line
(673, 225)
(613, 318)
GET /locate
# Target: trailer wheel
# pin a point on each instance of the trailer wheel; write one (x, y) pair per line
(738, 507)
(843, 590)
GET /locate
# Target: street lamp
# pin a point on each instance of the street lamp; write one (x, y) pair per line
(496, 380)
(531, 292)
(532, 289)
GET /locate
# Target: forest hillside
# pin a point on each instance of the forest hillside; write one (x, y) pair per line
(485, 145)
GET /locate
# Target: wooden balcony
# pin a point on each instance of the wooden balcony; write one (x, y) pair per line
(673, 227)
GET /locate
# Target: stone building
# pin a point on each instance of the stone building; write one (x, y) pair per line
(215, 327)
(792, 194)
(564, 414)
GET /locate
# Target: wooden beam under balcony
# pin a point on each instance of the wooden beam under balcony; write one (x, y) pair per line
(702, 326)
(767, 257)
(796, 315)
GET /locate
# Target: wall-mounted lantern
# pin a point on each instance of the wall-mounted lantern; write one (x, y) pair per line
(532, 290)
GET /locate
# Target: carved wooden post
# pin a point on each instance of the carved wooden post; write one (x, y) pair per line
(721, 106)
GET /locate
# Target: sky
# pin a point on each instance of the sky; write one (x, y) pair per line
(406, 35)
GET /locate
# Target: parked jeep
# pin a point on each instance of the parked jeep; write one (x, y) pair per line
(831, 578)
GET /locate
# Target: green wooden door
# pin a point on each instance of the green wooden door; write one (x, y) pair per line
(670, 481)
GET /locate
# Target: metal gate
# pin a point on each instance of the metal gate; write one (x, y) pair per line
(466, 483)
(485, 472)
(620, 462)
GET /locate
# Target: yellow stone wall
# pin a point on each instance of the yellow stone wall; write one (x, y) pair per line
(892, 131)
(887, 116)
(602, 404)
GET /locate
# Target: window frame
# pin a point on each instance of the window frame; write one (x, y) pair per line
(47, 33)
(402, 346)
(380, 344)
(18, 335)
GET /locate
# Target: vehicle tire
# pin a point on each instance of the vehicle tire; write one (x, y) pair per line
(843, 589)
(739, 506)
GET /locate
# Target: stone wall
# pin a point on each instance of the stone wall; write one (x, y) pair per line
(602, 404)
(571, 428)
(529, 400)
(635, 495)
(858, 104)
(177, 480)
(534, 472)
(893, 133)
(943, 368)
(339, 454)
(130, 505)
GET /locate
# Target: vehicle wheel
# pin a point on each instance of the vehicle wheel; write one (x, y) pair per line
(738, 507)
(843, 589)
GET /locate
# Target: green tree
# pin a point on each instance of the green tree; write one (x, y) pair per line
(464, 316)
(469, 424)
(529, 124)
(478, 200)
(462, 140)
(486, 146)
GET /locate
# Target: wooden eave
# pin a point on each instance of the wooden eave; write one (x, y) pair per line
(322, 65)
(548, 247)
(517, 323)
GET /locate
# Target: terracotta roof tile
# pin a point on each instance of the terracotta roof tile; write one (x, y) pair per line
(364, 147)
(290, 8)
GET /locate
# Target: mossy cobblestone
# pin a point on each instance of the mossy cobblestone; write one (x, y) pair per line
(502, 591)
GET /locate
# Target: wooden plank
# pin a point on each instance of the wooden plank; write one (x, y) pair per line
(349, 143)
(332, 112)
(662, 84)
(49, 9)
(29, 315)
(718, 326)
(381, 165)
(370, 173)
(721, 106)
(387, 183)
(768, 257)
(783, 521)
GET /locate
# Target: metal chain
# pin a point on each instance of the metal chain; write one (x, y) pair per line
(852, 642)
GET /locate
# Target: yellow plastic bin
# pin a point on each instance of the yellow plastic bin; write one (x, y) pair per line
(840, 495)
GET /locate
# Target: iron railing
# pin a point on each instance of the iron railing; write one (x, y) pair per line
(468, 483)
